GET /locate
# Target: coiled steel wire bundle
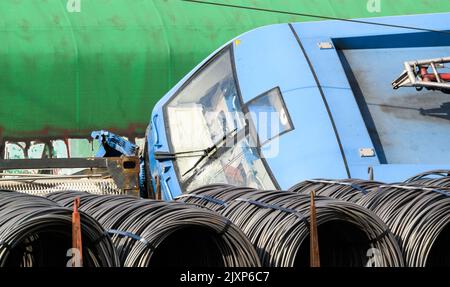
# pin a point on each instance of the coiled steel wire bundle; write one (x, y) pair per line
(416, 212)
(157, 233)
(420, 218)
(35, 231)
(277, 224)
(347, 189)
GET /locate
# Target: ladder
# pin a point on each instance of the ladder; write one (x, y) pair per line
(416, 74)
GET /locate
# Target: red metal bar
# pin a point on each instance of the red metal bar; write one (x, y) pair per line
(431, 77)
(313, 235)
(158, 188)
(76, 231)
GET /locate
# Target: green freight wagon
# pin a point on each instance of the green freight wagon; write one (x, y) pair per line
(68, 67)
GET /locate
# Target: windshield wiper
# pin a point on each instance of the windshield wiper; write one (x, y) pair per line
(210, 151)
(162, 155)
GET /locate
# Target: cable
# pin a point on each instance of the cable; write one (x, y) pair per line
(434, 182)
(347, 189)
(276, 223)
(36, 232)
(430, 175)
(158, 233)
(317, 16)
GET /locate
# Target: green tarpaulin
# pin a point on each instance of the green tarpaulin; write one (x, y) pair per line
(64, 73)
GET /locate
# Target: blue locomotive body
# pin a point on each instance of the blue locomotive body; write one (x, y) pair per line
(329, 85)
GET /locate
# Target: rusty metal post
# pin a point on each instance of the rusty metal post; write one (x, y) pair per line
(158, 188)
(76, 231)
(313, 235)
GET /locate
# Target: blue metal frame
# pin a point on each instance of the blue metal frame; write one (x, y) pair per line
(283, 103)
(329, 127)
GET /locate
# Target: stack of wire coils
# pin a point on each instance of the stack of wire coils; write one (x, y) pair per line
(277, 223)
(417, 212)
(420, 217)
(158, 233)
(35, 231)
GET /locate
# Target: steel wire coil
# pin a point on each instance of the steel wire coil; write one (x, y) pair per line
(420, 218)
(157, 233)
(277, 224)
(403, 209)
(35, 231)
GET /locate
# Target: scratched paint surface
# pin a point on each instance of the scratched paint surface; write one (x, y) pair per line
(65, 74)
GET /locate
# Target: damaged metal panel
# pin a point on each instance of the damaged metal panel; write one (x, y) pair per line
(118, 175)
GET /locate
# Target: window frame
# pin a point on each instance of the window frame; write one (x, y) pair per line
(250, 124)
(283, 103)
